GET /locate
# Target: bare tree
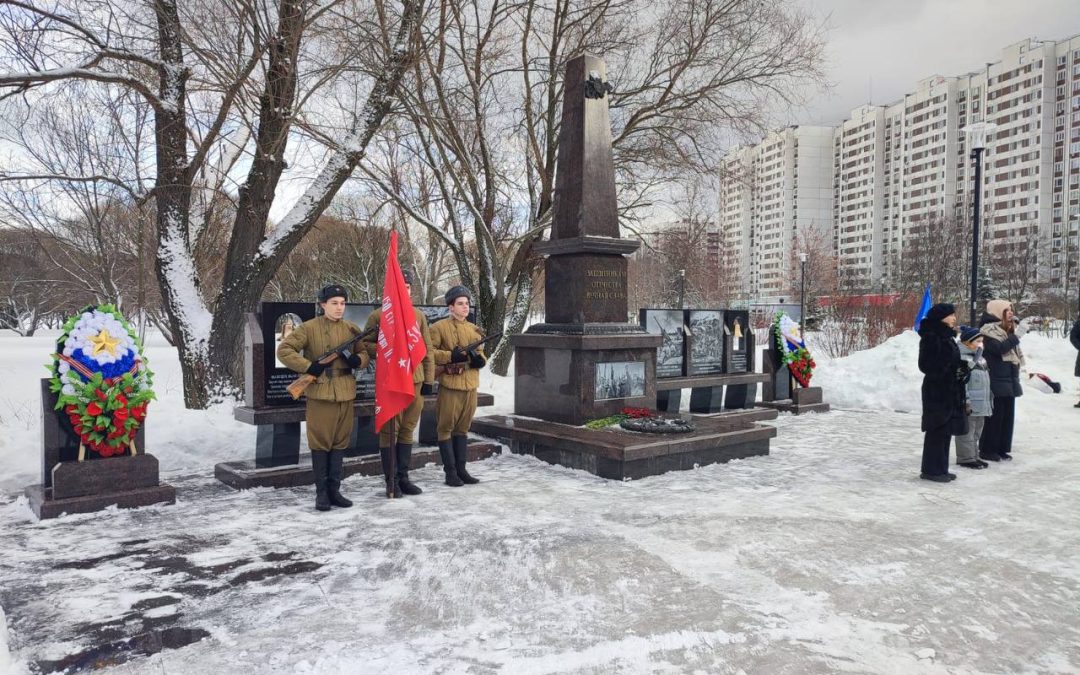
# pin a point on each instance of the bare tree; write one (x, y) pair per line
(483, 107)
(223, 80)
(936, 251)
(1013, 264)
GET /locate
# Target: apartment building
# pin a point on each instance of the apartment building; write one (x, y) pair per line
(900, 167)
(772, 194)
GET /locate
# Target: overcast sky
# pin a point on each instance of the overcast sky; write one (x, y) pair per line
(878, 49)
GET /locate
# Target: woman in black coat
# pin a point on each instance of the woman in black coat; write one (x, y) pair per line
(942, 390)
(1001, 348)
(1074, 338)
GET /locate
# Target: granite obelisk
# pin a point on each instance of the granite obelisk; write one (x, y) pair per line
(586, 360)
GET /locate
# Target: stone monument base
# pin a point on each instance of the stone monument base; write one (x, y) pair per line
(555, 372)
(85, 487)
(244, 475)
(622, 455)
(803, 400)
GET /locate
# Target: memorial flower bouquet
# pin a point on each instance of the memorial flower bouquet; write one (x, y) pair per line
(792, 349)
(100, 377)
(625, 414)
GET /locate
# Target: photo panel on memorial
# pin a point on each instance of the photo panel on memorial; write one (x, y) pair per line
(706, 336)
(275, 319)
(619, 379)
(285, 324)
(668, 324)
(736, 332)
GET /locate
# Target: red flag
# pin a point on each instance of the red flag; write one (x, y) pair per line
(401, 346)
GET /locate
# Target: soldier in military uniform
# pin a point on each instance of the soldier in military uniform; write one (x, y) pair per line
(405, 423)
(456, 402)
(330, 398)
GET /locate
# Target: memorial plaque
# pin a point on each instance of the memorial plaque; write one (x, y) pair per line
(705, 352)
(585, 288)
(623, 379)
(669, 325)
(277, 319)
(736, 329)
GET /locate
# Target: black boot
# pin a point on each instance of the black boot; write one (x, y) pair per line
(320, 461)
(404, 458)
(391, 480)
(337, 474)
(461, 454)
(447, 454)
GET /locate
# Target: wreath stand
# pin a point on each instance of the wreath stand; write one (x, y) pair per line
(72, 483)
(781, 392)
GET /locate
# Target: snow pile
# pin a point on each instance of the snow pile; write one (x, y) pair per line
(887, 377)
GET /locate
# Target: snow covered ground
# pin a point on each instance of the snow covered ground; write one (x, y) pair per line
(828, 555)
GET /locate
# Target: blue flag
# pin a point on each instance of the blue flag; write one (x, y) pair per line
(923, 308)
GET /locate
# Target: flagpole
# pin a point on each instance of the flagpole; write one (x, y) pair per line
(393, 459)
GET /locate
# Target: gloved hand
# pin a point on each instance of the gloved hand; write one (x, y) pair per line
(1020, 329)
(967, 408)
(429, 388)
(457, 355)
(963, 372)
(316, 368)
(979, 361)
(351, 358)
(475, 360)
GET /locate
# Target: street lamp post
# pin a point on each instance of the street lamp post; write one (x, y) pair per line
(977, 142)
(802, 290)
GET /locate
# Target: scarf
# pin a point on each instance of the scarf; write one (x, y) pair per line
(994, 331)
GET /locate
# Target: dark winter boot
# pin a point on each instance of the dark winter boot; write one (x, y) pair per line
(391, 480)
(942, 478)
(446, 452)
(337, 474)
(461, 454)
(320, 460)
(404, 458)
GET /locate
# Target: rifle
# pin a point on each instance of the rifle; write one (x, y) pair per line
(300, 384)
(458, 368)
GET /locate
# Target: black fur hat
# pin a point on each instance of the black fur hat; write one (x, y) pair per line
(456, 292)
(333, 291)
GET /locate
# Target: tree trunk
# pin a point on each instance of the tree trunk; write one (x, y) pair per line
(172, 193)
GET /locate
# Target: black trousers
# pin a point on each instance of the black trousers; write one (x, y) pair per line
(998, 432)
(935, 451)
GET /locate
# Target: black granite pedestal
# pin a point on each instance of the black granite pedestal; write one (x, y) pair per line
(70, 486)
(245, 475)
(803, 400)
(555, 374)
(622, 455)
(85, 487)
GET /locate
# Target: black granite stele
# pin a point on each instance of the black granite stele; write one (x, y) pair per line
(70, 486)
(246, 475)
(781, 392)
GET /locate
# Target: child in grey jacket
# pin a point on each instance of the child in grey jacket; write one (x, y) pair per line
(980, 400)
